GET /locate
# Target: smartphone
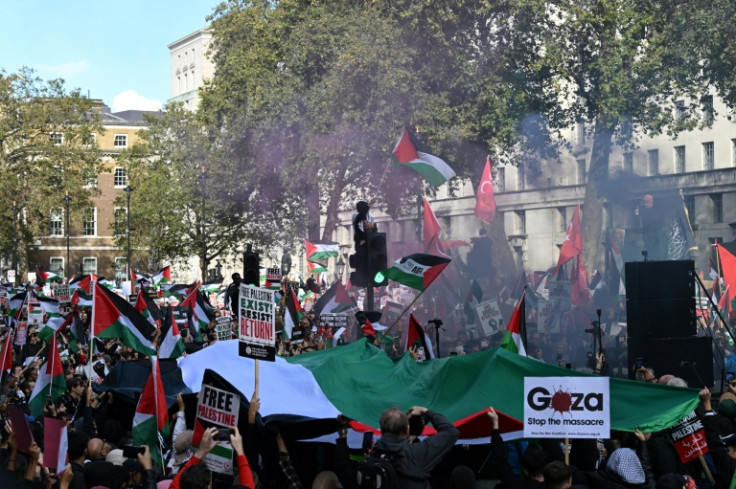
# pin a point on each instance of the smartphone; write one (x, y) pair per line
(223, 434)
(367, 441)
(639, 362)
(132, 451)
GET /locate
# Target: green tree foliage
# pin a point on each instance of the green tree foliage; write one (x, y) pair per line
(45, 148)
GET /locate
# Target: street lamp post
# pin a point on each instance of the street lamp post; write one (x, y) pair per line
(340, 268)
(128, 189)
(67, 200)
(16, 240)
(203, 180)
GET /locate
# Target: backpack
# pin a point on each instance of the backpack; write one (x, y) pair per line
(377, 471)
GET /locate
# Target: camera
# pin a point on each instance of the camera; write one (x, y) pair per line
(223, 434)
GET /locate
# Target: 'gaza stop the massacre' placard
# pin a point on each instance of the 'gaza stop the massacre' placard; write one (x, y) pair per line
(257, 324)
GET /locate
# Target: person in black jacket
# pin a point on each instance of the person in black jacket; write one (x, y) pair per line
(413, 462)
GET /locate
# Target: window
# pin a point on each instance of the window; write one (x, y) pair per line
(520, 222)
(629, 162)
(121, 222)
(89, 225)
(89, 265)
(582, 172)
(89, 140)
(521, 183)
(717, 201)
(89, 176)
(679, 109)
(733, 152)
(653, 162)
(708, 156)
(121, 141)
(707, 106)
(679, 159)
(120, 177)
(56, 176)
(56, 265)
(56, 227)
(579, 133)
(119, 265)
(562, 219)
(689, 201)
(57, 138)
(501, 179)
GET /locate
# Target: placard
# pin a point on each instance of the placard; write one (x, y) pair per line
(273, 275)
(689, 438)
(490, 316)
(224, 327)
(218, 408)
(334, 320)
(61, 293)
(35, 314)
(21, 333)
(257, 324)
(567, 407)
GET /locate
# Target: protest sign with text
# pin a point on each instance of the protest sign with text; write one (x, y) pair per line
(257, 323)
(61, 293)
(689, 438)
(566, 407)
(216, 408)
(224, 327)
(490, 316)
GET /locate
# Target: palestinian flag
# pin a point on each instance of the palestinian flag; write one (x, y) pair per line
(417, 271)
(514, 338)
(417, 335)
(170, 343)
(15, 305)
(76, 333)
(177, 291)
(211, 287)
(147, 308)
(53, 326)
(6, 355)
(80, 298)
(44, 277)
(325, 383)
(151, 415)
(409, 152)
(199, 313)
(83, 282)
(50, 306)
(321, 250)
(163, 276)
(335, 301)
(140, 278)
(315, 267)
(114, 317)
(293, 313)
(51, 381)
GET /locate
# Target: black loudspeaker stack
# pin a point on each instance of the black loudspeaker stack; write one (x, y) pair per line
(660, 316)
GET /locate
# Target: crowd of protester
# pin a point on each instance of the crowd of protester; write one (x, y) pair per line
(272, 458)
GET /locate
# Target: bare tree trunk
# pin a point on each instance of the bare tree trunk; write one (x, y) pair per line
(333, 206)
(313, 211)
(592, 219)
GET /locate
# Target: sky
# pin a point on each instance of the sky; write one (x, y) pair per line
(115, 51)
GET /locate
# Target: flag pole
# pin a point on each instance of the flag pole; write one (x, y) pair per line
(385, 333)
(380, 183)
(51, 362)
(257, 379)
(91, 345)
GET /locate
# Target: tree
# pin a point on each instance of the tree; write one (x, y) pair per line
(45, 152)
(616, 66)
(168, 205)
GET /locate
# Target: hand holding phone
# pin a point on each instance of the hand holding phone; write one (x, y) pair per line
(132, 451)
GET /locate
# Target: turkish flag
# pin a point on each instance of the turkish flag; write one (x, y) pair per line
(573, 244)
(485, 203)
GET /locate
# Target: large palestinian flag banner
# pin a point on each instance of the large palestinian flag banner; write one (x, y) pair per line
(325, 383)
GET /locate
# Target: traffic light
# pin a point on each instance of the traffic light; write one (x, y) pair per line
(358, 261)
(251, 268)
(377, 257)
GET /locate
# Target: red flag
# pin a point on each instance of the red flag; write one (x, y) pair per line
(573, 244)
(728, 266)
(367, 329)
(433, 245)
(580, 293)
(485, 203)
(6, 357)
(432, 227)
